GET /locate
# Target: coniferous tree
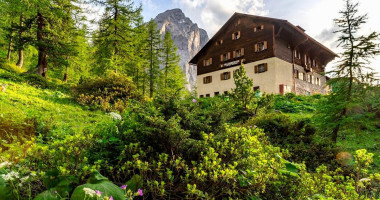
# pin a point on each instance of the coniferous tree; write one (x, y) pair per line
(53, 20)
(154, 54)
(113, 40)
(173, 77)
(243, 91)
(352, 71)
(137, 65)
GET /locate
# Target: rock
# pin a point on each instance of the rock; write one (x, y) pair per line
(188, 37)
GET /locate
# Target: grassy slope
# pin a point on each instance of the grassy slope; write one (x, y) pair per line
(55, 111)
(369, 140)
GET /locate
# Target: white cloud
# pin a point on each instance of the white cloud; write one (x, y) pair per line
(212, 14)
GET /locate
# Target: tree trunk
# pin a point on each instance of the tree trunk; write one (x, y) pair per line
(42, 64)
(65, 76)
(151, 70)
(10, 48)
(20, 61)
(115, 43)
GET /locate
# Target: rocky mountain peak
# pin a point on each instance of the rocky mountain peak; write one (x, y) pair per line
(188, 37)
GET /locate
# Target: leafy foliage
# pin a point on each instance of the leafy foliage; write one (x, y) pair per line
(109, 93)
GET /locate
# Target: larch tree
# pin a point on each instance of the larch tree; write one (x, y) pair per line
(352, 71)
(154, 53)
(173, 77)
(113, 38)
(137, 67)
(53, 20)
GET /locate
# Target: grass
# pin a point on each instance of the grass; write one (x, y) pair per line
(366, 139)
(55, 111)
(369, 140)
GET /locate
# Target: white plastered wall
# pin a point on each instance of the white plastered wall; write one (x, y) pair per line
(279, 72)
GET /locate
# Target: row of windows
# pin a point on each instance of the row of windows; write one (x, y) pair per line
(261, 68)
(256, 89)
(237, 35)
(261, 46)
(308, 78)
(307, 59)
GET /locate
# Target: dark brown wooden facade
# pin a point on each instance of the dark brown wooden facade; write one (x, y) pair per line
(245, 32)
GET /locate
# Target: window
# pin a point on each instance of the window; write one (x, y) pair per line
(297, 74)
(207, 95)
(261, 68)
(297, 54)
(238, 22)
(310, 79)
(220, 42)
(259, 28)
(207, 79)
(304, 76)
(318, 81)
(216, 93)
(257, 88)
(236, 35)
(207, 62)
(238, 53)
(225, 57)
(201, 96)
(225, 76)
(236, 71)
(300, 76)
(261, 46)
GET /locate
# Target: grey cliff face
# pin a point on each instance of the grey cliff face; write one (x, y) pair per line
(188, 37)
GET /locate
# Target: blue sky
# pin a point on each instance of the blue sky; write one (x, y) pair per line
(316, 16)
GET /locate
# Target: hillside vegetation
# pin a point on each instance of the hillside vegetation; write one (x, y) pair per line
(209, 152)
(104, 115)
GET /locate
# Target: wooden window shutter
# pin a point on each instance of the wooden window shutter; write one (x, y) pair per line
(255, 29)
(204, 62)
(210, 79)
(256, 47)
(221, 57)
(210, 61)
(262, 27)
(239, 35)
(204, 80)
(266, 67)
(265, 45)
(242, 52)
(234, 54)
(256, 69)
(221, 41)
(229, 75)
(221, 76)
(233, 36)
(229, 55)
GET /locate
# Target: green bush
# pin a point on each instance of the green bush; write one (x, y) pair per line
(12, 68)
(296, 136)
(38, 81)
(10, 76)
(290, 103)
(110, 93)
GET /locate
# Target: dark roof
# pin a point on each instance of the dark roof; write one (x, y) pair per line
(298, 29)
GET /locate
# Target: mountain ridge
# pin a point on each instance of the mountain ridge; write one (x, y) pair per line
(187, 36)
